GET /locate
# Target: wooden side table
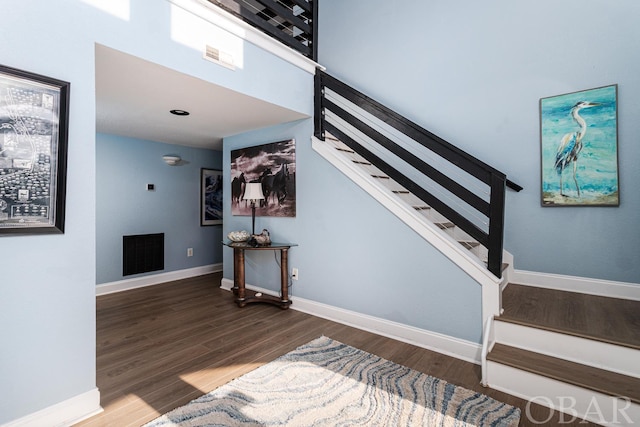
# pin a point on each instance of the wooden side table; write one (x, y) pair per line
(244, 296)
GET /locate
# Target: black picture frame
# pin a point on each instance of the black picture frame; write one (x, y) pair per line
(210, 197)
(274, 166)
(34, 130)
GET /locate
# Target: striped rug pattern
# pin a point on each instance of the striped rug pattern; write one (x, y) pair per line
(327, 383)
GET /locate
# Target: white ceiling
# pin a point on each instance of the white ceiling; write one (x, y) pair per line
(134, 96)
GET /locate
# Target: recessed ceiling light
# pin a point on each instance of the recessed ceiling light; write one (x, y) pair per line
(179, 112)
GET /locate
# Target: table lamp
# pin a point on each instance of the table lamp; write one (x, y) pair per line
(253, 193)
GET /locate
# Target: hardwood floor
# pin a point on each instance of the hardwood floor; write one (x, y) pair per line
(160, 347)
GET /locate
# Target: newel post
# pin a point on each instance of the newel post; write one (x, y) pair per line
(318, 107)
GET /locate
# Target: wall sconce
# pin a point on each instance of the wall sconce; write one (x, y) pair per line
(171, 160)
(253, 193)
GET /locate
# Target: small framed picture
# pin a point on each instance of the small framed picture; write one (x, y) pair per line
(210, 197)
(34, 113)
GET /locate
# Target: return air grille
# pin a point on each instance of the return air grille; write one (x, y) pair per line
(214, 54)
(142, 253)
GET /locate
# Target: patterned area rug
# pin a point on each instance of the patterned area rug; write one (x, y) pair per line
(327, 383)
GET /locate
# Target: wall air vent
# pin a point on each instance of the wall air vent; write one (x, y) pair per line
(142, 253)
(214, 54)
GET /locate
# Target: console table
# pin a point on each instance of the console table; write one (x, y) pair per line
(244, 296)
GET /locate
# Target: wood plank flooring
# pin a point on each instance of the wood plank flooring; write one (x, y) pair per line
(160, 347)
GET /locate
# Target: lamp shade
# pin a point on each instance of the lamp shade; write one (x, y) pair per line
(253, 191)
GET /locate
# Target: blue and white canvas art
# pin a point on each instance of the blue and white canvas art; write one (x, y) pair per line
(579, 145)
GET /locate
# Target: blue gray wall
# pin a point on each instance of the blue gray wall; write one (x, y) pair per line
(353, 253)
(124, 166)
(47, 289)
(474, 72)
(452, 62)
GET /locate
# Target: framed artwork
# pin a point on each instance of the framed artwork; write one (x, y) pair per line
(210, 197)
(34, 113)
(579, 148)
(274, 166)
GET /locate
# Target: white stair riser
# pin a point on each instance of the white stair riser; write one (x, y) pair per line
(572, 400)
(615, 358)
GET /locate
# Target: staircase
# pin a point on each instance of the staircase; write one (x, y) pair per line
(542, 345)
(430, 216)
(576, 353)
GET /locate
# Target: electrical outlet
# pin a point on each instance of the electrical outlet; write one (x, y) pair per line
(294, 273)
(189, 251)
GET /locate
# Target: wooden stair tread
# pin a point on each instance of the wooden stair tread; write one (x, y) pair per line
(595, 379)
(469, 244)
(611, 320)
(445, 225)
(345, 150)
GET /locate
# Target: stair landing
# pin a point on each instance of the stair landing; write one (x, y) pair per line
(611, 320)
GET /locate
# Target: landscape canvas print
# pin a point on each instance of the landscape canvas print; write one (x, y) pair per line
(274, 166)
(579, 146)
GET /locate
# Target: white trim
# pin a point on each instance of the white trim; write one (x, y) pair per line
(614, 358)
(155, 279)
(584, 285)
(488, 339)
(65, 413)
(560, 396)
(451, 346)
(223, 19)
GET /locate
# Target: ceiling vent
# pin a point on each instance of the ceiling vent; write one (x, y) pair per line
(214, 54)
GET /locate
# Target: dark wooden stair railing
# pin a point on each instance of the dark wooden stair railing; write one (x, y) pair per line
(496, 181)
(292, 22)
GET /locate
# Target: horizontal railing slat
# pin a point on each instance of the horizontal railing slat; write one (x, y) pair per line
(287, 14)
(252, 17)
(428, 170)
(411, 186)
(434, 143)
(493, 211)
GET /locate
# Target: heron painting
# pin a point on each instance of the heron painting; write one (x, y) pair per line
(578, 133)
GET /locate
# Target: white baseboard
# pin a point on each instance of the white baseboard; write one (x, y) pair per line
(155, 279)
(451, 346)
(66, 413)
(606, 288)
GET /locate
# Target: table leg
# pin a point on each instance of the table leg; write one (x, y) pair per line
(235, 272)
(284, 275)
(239, 275)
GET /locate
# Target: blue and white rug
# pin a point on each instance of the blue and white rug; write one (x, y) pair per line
(327, 383)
